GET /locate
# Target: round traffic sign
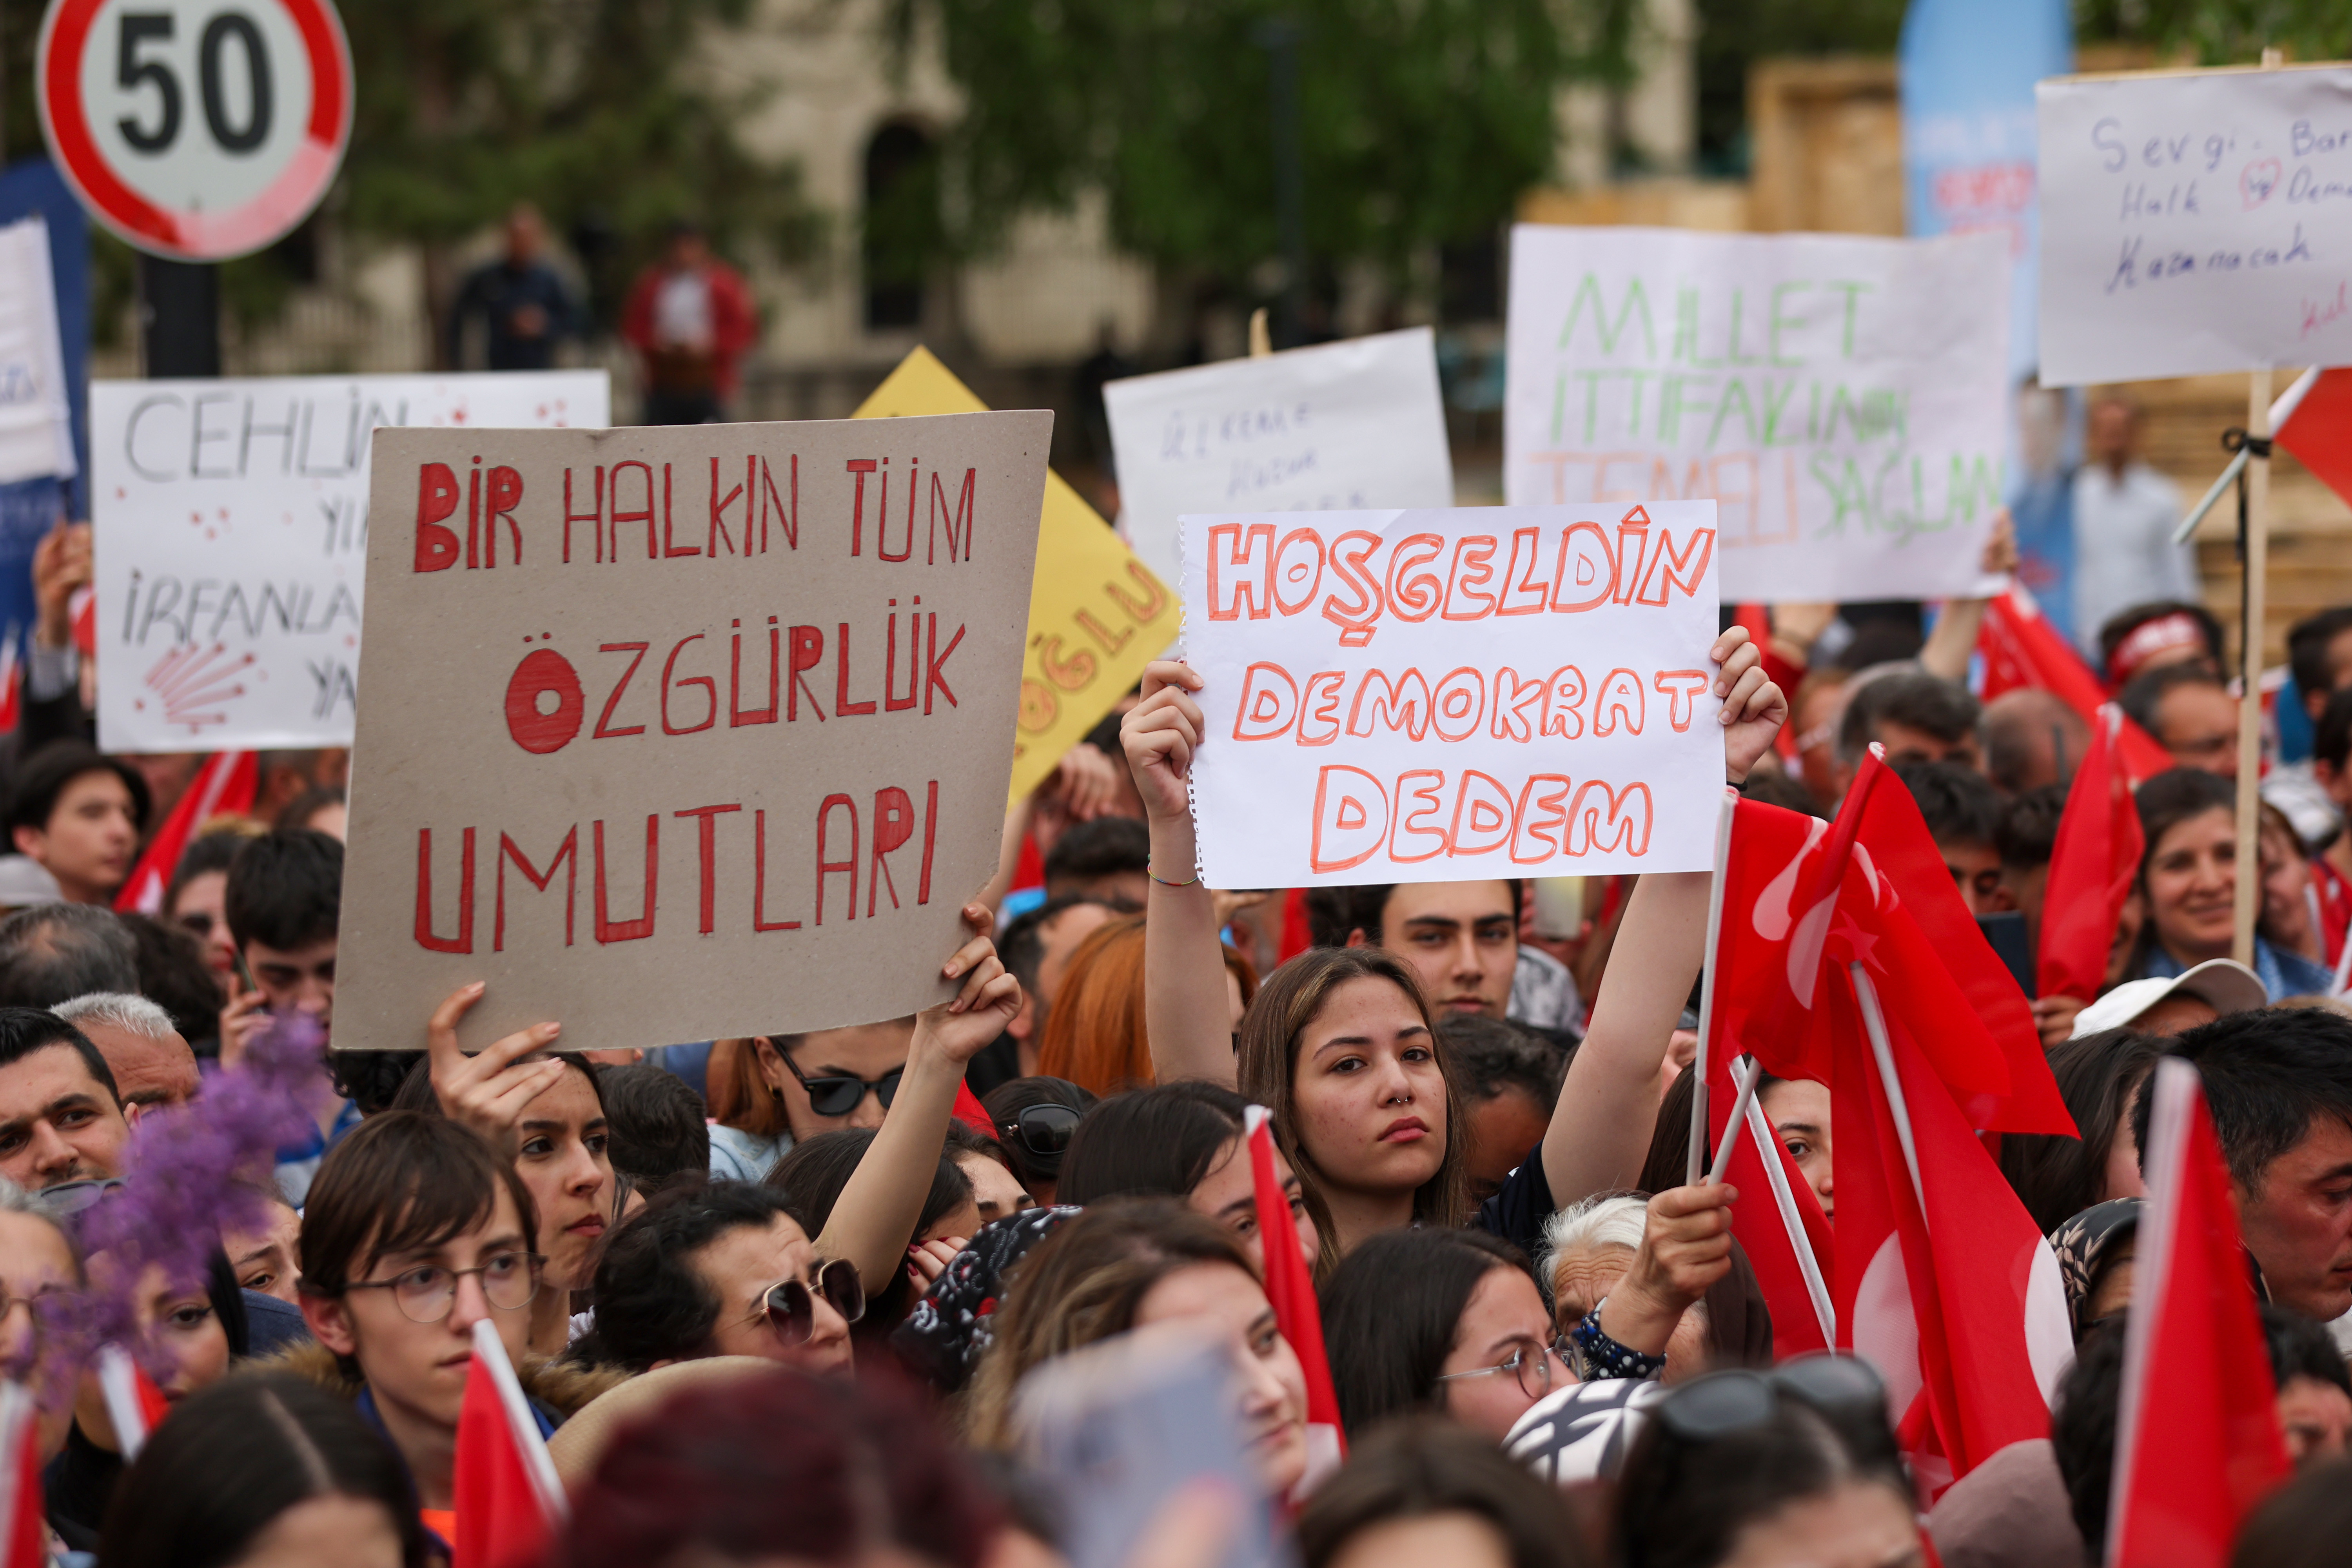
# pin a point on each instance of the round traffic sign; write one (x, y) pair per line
(197, 130)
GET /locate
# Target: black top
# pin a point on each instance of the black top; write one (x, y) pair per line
(1517, 1210)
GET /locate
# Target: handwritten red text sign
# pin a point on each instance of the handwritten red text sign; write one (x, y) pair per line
(1434, 696)
(677, 735)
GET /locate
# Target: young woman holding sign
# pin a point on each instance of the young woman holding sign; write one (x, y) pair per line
(1339, 1042)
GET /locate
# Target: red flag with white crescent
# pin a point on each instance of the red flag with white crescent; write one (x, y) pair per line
(510, 1502)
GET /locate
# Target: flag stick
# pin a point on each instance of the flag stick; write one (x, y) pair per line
(2249, 881)
(1777, 1176)
(1873, 1023)
(2281, 412)
(1706, 987)
(1746, 1081)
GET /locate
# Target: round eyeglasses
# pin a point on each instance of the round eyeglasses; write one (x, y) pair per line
(1530, 1365)
(425, 1294)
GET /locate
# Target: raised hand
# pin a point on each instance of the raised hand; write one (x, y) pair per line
(989, 998)
(1686, 1248)
(488, 1092)
(1160, 734)
(1754, 708)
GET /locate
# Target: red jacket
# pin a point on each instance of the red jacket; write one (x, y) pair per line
(734, 320)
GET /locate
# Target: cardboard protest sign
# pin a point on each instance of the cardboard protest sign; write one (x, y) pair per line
(2195, 222)
(1339, 427)
(231, 530)
(684, 732)
(1427, 696)
(1096, 615)
(1843, 400)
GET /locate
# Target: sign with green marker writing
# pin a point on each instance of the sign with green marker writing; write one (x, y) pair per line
(1840, 398)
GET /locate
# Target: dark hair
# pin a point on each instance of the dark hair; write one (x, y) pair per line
(174, 976)
(724, 1470)
(1150, 1143)
(286, 889)
(42, 777)
(1675, 1511)
(213, 851)
(2166, 801)
(964, 1139)
(1495, 1054)
(2331, 740)
(1022, 947)
(1007, 1100)
(1267, 1071)
(2146, 691)
(2099, 1078)
(815, 1171)
(651, 1302)
(54, 953)
(2028, 833)
(2017, 726)
(1773, 787)
(2082, 1430)
(1414, 1469)
(237, 1455)
(297, 812)
(227, 1300)
(1667, 1162)
(2301, 1348)
(373, 1080)
(1334, 914)
(2123, 623)
(2304, 1524)
(1959, 807)
(24, 1030)
(2307, 642)
(1393, 1306)
(397, 1183)
(656, 1125)
(1913, 698)
(1107, 846)
(414, 1090)
(2268, 1074)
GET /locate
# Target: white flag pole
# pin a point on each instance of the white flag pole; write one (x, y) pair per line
(1691, 1172)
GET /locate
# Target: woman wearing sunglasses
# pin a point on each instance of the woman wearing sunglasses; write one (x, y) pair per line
(1790, 1469)
(1036, 1118)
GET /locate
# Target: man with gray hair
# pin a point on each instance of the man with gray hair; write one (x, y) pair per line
(55, 951)
(151, 1064)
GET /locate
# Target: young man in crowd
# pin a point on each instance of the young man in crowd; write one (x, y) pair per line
(1911, 714)
(78, 813)
(1462, 938)
(1510, 1078)
(53, 952)
(151, 1063)
(2191, 714)
(2279, 1085)
(284, 898)
(1963, 816)
(61, 1118)
(1036, 948)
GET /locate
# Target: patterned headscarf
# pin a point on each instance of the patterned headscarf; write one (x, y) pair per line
(2086, 1245)
(942, 1339)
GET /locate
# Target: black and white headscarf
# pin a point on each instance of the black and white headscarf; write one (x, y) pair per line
(1584, 1431)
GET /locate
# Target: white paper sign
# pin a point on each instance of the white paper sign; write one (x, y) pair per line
(1429, 695)
(36, 423)
(231, 536)
(1337, 426)
(2195, 223)
(1843, 400)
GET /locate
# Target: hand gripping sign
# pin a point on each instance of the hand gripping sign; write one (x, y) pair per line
(1432, 696)
(686, 733)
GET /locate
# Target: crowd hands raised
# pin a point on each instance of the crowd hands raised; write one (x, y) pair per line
(778, 1299)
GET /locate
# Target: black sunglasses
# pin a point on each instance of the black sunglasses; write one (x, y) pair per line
(1042, 1131)
(790, 1306)
(1844, 1389)
(838, 1095)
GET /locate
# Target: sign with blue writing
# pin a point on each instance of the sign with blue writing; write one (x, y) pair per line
(2195, 223)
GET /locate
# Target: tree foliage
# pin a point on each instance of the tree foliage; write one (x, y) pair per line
(1421, 121)
(2223, 32)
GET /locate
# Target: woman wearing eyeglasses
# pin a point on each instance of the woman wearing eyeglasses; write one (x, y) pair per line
(414, 1232)
(1448, 1321)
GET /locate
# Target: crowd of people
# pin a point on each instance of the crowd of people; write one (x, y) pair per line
(779, 1298)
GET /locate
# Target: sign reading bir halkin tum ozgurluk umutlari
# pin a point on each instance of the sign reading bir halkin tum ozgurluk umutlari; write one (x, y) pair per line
(1425, 696)
(677, 735)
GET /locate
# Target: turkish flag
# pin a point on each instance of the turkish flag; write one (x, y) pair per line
(1871, 887)
(1778, 1221)
(1944, 1284)
(24, 1534)
(2197, 1437)
(12, 685)
(2319, 431)
(509, 1499)
(1290, 1292)
(224, 783)
(133, 1404)
(2091, 868)
(2020, 649)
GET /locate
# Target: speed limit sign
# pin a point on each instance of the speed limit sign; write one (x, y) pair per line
(197, 129)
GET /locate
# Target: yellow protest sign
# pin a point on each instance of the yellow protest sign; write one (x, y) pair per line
(1096, 615)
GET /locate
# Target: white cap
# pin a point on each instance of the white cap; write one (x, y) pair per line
(23, 882)
(2225, 982)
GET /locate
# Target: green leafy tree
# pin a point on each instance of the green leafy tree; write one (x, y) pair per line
(1421, 121)
(2223, 32)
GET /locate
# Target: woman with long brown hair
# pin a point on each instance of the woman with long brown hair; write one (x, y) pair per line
(1339, 1044)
